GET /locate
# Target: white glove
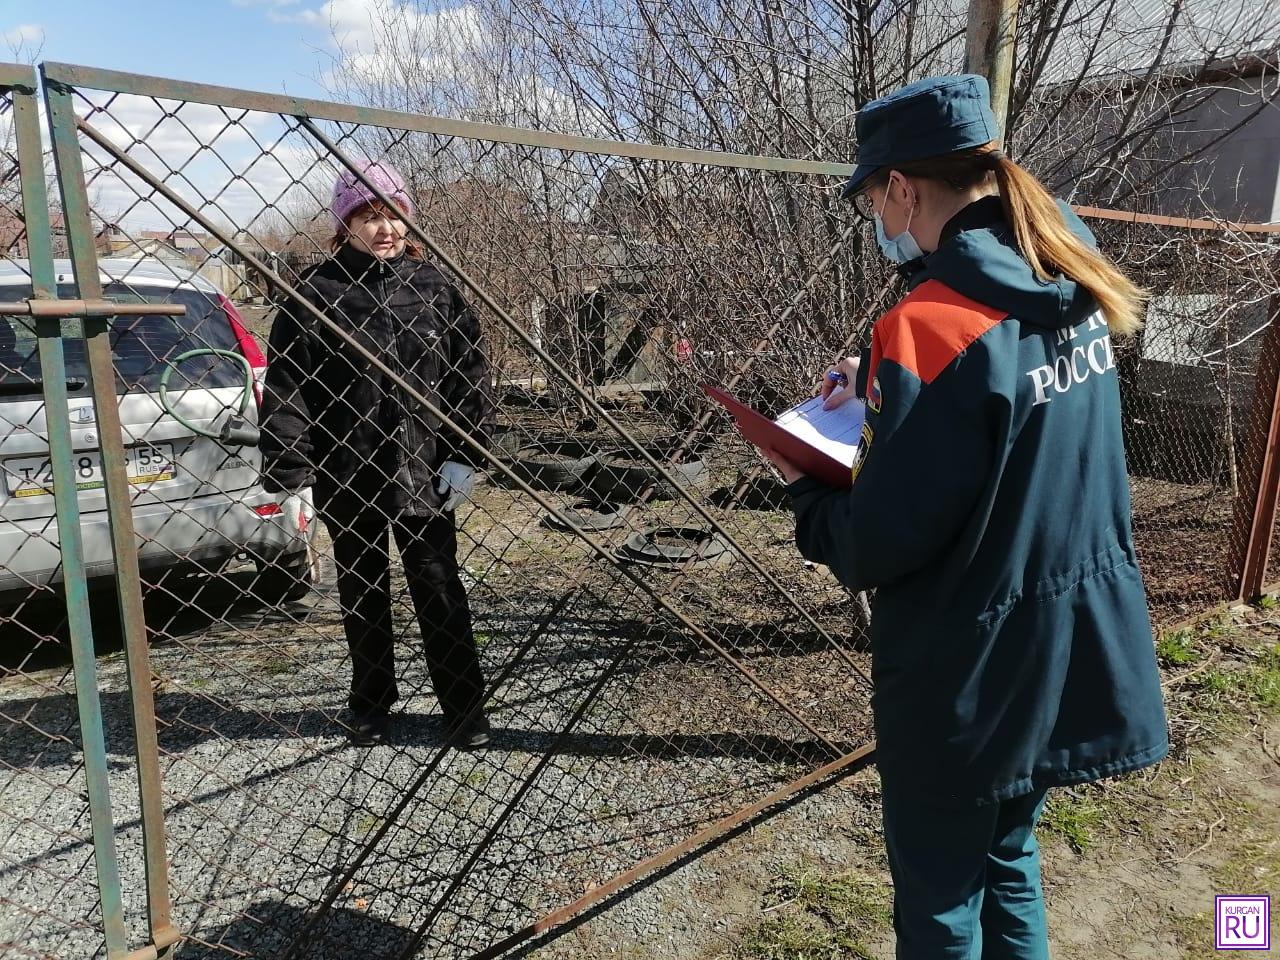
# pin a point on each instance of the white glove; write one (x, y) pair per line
(456, 482)
(298, 510)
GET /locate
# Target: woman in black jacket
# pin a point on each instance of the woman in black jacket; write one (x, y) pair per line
(378, 461)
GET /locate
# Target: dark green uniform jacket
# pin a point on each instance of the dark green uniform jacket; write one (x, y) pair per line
(1011, 644)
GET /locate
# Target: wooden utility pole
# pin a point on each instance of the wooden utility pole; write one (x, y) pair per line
(989, 42)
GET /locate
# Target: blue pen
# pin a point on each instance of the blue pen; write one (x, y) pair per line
(839, 378)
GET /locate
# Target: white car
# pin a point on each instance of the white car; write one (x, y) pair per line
(198, 502)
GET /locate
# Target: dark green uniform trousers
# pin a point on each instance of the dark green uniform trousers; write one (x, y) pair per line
(966, 880)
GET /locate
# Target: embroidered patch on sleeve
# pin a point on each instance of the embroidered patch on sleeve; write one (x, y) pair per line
(873, 396)
(864, 446)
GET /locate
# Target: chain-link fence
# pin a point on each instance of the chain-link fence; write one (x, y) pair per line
(625, 607)
(653, 659)
(1197, 413)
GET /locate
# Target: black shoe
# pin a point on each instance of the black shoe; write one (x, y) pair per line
(471, 735)
(369, 729)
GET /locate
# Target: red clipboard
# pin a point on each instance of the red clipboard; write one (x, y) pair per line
(764, 433)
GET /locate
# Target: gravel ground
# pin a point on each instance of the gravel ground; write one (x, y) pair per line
(265, 799)
(266, 803)
(699, 911)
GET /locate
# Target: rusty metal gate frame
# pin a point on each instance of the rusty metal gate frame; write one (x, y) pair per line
(48, 312)
(19, 83)
(1254, 520)
(60, 82)
(69, 77)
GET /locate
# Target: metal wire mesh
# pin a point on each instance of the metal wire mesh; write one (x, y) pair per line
(1194, 425)
(633, 702)
(617, 732)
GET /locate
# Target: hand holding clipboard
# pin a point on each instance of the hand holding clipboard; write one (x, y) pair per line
(822, 444)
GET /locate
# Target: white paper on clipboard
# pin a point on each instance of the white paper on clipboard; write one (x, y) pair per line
(835, 432)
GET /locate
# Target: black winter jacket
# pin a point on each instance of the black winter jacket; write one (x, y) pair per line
(333, 420)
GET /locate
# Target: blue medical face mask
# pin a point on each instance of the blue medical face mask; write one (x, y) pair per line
(902, 248)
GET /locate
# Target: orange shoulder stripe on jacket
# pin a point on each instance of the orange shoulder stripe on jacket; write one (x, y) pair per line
(929, 328)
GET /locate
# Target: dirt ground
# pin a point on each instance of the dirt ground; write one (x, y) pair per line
(1143, 893)
(1131, 867)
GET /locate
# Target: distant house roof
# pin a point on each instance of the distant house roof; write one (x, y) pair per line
(1180, 74)
(1123, 38)
(185, 240)
(148, 248)
(1106, 40)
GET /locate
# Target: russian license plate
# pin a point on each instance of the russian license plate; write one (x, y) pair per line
(33, 476)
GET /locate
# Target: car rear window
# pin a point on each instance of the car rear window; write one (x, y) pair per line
(141, 346)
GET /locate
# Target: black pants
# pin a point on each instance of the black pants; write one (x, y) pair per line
(428, 547)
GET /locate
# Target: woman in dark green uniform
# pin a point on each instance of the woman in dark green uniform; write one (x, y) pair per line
(1012, 650)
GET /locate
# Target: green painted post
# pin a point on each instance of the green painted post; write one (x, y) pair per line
(53, 372)
(84, 261)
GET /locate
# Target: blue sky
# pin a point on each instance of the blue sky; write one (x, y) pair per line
(276, 46)
(235, 167)
(259, 44)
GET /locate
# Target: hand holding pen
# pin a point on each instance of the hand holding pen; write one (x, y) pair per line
(834, 389)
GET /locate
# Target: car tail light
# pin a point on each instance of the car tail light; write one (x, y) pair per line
(247, 345)
(268, 510)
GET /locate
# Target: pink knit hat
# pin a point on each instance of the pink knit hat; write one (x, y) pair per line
(349, 194)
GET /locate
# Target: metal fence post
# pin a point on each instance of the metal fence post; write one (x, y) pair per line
(21, 82)
(80, 239)
(1255, 507)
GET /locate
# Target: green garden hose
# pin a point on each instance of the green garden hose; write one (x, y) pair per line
(234, 430)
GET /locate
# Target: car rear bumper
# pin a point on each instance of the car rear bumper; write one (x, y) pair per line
(203, 532)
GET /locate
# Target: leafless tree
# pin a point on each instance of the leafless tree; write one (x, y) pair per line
(1115, 104)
